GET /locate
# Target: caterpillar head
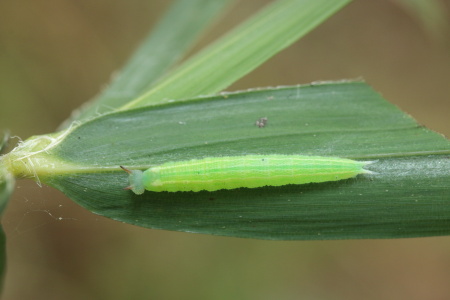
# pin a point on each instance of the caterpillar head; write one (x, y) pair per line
(135, 180)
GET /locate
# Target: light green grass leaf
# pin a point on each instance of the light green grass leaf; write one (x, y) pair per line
(242, 50)
(166, 45)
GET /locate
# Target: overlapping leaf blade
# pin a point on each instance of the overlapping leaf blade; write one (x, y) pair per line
(178, 30)
(242, 50)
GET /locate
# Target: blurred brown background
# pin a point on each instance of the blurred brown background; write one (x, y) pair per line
(56, 54)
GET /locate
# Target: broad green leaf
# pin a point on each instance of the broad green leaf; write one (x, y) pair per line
(408, 196)
(241, 51)
(173, 36)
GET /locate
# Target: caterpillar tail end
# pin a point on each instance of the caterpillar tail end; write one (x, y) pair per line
(365, 163)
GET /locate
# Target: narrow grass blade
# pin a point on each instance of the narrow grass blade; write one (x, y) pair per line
(433, 15)
(241, 51)
(6, 189)
(4, 138)
(173, 36)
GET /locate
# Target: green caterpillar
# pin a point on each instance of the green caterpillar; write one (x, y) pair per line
(250, 171)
